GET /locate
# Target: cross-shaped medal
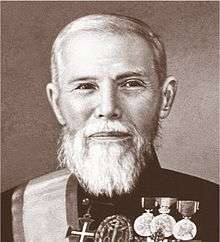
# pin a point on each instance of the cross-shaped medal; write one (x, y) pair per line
(85, 233)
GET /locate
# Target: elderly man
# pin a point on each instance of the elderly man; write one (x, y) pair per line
(109, 91)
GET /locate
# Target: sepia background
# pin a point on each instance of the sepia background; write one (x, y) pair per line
(189, 140)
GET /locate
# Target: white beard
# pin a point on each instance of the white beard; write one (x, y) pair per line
(103, 167)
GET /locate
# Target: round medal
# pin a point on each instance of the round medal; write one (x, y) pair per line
(163, 223)
(184, 229)
(114, 228)
(142, 224)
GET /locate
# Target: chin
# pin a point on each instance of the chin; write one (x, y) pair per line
(106, 169)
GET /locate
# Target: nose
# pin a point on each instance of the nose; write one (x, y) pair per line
(108, 106)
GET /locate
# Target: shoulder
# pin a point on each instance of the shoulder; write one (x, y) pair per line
(179, 183)
(45, 181)
(42, 184)
(194, 185)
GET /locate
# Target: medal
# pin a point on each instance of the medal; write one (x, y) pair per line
(163, 223)
(185, 229)
(116, 228)
(142, 223)
(84, 233)
(85, 222)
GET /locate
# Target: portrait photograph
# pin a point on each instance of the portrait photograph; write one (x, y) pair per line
(109, 121)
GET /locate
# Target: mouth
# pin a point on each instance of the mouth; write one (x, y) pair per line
(110, 136)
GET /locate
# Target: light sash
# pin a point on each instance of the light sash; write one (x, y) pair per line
(40, 208)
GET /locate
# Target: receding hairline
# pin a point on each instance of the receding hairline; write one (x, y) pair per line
(104, 22)
(115, 24)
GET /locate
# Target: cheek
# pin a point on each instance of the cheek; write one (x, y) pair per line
(142, 112)
(75, 112)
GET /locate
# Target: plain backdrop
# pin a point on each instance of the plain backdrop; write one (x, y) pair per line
(189, 137)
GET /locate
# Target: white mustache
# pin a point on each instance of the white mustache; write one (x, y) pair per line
(107, 126)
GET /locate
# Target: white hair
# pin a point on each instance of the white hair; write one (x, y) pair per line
(110, 24)
(102, 167)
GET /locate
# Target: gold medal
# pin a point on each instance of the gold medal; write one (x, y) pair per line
(185, 229)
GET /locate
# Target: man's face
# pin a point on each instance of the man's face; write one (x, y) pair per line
(109, 101)
(109, 77)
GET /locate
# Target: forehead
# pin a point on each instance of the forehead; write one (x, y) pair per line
(99, 53)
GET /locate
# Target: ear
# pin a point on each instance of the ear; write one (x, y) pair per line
(53, 97)
(168, 95)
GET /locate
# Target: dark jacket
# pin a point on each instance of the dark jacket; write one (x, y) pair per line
(154, 182)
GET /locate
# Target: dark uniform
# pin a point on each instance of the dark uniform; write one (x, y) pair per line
(153, 182)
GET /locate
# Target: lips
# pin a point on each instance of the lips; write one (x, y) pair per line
(110, 135)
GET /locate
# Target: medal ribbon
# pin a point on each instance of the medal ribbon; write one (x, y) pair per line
(187, 208)
(166, 201)
(148, 203)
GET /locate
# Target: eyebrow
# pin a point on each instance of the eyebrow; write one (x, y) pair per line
(86, 78)
(138, 73)
(131, 73)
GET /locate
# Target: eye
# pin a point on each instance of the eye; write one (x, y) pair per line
(86, 86)
(132, 83)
